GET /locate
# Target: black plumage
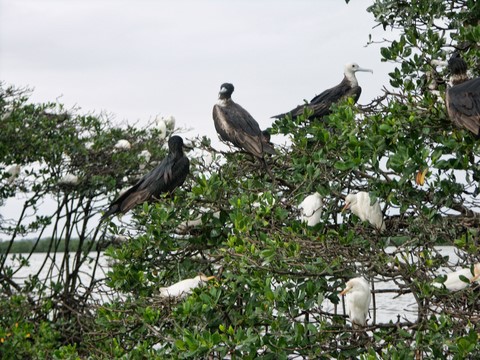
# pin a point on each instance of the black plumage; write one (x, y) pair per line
(235, 125)
(320, 105)
(164, 178)
(463, 97)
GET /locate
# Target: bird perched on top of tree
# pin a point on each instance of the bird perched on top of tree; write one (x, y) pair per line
(235, 124)
(165, 178)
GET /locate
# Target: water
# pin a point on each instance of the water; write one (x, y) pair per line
(389, 306)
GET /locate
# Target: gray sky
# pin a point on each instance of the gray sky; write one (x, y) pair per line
(139, 59)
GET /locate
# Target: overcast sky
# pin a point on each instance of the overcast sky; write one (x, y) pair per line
(138, 59)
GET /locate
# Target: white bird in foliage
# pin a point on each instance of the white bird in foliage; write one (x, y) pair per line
(311, 209)
(460, 279)
(13, 173)
(360, 205)
(169, 121)
(161, 126)
(357, 296)
(144, 157)
(184, 287)
(122, 145)
(69, 179)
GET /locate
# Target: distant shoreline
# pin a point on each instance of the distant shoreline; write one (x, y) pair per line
(43, 246)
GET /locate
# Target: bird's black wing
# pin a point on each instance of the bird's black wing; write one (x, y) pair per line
(167, 176)
(320, 104)
(176, 175)
(463, 105)
(127, 200)
(293, 113)
(162, 178)
(234, 124)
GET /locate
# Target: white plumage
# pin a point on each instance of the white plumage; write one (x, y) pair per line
(196, 222)
(69, 179)
(122, 145)
(311, 208)
(360, 205)
(453, 281)
(14, 172)
(161, 126)
(358, 297)
(184, 287)
(169, 122)
(144, 157)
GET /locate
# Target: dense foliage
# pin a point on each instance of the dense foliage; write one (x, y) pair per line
(278, 280)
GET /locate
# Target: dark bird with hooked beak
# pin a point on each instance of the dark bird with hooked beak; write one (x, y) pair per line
(463, 97)
(234, 124)
(320, 104)
(165, 178)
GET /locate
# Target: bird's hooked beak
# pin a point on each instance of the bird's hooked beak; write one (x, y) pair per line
(187, 147)
(223, 91)
(211, 278)
(365, 70)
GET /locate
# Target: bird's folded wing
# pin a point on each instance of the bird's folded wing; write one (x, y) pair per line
(464, 105)
(135, 198)
(239, 128)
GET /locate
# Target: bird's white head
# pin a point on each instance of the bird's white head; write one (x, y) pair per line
(350, 70)
(356, 284)
(350, 200)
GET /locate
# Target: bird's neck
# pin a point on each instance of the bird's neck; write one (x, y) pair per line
(351, 78)
(224, 101)
(456, 79)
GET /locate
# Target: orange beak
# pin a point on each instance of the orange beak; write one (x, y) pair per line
(344, 291)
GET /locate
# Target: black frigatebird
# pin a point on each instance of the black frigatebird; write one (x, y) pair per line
(463, 96)
(167, 176)
(320, 104)
(235, 125)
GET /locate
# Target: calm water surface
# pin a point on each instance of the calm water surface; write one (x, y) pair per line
(388, 305)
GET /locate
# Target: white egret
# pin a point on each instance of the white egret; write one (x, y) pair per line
(196, 222)
(161, 126)
(144, 157)
(69, 179)
(357, 296)
(13, 173)
(360, 205)
(169, 121)
(311, 208)
(454, 280)
(184, 287)
(122, 145)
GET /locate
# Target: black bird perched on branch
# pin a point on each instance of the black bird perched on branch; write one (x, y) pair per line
(463, 97)
(320, 104)
(234, 124)
(166, 177)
